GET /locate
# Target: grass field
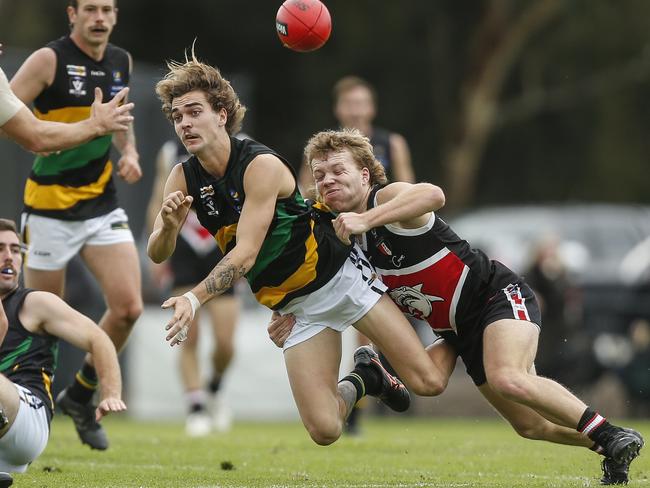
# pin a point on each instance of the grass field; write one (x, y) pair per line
(391, 453)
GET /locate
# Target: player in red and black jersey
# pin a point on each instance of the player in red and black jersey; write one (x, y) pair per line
(483, 309)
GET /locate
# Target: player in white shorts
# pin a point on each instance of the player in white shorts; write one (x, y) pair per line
(75, 189)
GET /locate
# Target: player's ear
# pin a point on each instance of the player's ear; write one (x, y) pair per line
(365, 175)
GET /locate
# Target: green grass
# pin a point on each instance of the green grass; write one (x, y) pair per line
(391, 453)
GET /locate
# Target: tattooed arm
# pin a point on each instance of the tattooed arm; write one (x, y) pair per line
(266, 179)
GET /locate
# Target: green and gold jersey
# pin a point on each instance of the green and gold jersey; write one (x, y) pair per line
(26, 358)
(76, 184)
(300, 252)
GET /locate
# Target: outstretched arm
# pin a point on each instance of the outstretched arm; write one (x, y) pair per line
(265, 179)
(46, 313)
(43, 136)
(404, 204)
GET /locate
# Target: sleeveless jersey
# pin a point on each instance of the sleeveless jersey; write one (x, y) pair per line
(197, 237)
(380, 142)
(76, 184)
(300, 252)
(28, 359)
(432, 274)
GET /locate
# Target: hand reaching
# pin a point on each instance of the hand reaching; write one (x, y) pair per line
(181, 321)
(109, 405)
(111, 116)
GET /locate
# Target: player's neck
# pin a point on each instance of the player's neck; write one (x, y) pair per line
(95, 52)
(214, 158)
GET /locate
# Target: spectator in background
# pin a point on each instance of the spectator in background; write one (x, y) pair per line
(355, 107)
(196, 250)
(70, 201)
(565, 347)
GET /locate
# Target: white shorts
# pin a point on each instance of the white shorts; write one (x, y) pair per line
(341, 302)
(53, 242)
(27, 437)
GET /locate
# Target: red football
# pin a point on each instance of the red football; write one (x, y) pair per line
(303, 25)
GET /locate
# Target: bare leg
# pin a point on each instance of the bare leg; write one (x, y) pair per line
(45, 280)
(313, 368)
(387, 327)
(117, 269)
(224, 314)
(509, 348)
(531, 425)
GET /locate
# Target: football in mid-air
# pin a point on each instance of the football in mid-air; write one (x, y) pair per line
(303, 25)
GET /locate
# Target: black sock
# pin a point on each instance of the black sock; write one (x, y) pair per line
(214, 384)
(84, 385)
(357, 381)
(595, 426)
(370, 378)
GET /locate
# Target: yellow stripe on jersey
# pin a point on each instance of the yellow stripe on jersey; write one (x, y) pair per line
(59, 197)
(66, 114)
(270, 296)
(225, 235)
(47, 381)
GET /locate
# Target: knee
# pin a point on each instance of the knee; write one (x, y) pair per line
(531, 430)
(427, 384)
(512, 385)
(128, 312)
(224, 350)
(324, 434)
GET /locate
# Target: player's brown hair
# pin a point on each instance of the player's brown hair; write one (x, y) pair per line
(328, 141)
(348, 83)
(192, 75)
(6, 224)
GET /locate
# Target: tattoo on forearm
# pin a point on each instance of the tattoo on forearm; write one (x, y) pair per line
(222, 277)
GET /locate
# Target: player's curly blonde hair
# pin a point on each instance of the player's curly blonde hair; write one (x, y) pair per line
(192, 75)
(328, 141)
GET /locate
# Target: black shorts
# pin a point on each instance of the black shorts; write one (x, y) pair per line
(507, 297)
(190, 268)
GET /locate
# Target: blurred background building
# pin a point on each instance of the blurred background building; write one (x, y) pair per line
(503, 102)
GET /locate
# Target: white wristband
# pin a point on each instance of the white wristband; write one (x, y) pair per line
(194, 302)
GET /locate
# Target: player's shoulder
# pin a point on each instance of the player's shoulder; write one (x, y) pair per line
(118, 53)
(390, 191)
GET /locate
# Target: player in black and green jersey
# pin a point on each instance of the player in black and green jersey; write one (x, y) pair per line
(246, 195)
(70, 201)
(36, 320)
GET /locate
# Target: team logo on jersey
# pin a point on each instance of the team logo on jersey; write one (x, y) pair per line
(206, 193)
(381, 245)
(234, 194)
(77, 86)
(416, 303)
(74, 70)
(117, 76)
